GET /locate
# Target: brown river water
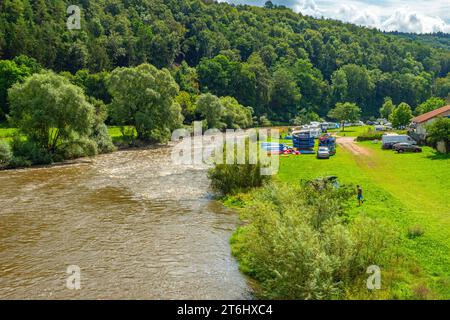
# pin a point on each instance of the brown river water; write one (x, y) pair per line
(137, 227)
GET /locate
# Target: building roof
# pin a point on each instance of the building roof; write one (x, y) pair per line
(430, 115)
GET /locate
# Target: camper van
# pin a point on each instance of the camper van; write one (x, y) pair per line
(389, 140)
(316, 132)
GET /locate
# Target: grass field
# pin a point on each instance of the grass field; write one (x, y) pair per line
(357, 131)
(7, 133)
(408, 190)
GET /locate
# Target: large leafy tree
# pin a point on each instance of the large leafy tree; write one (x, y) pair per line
(387, 108)
(211, 110)
(50, 110)
(312, 87)
(442, 87)
(430, 105)
(236, 115)
(218, 75)
(144, 97)
(10, 73)
(285, 98)
(360, 87)
(401, 116)
(345, 112)
(188, 105)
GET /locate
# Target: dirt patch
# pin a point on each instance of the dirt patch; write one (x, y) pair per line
(349, 144)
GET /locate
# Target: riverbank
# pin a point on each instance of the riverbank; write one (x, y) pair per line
(404, 191)
(121, 142)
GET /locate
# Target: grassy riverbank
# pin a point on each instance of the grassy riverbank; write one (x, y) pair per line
(407, 191)
(120, 137)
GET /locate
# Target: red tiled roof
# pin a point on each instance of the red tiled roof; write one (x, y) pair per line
(431, 114)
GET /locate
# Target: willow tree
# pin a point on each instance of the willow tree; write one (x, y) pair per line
(144, 97)
(49, 110)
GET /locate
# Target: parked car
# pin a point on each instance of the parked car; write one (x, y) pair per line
(323, 153)
(406, 147)
(389, 140)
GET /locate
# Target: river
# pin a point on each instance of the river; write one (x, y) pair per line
(136, 226)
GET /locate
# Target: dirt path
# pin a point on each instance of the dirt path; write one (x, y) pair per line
(349, 144)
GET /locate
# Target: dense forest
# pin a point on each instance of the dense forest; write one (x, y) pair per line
(281, 64)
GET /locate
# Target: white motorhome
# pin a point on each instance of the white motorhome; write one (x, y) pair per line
(389, 140)
(315, 132)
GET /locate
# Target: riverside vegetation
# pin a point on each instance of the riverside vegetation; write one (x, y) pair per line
(304, 238)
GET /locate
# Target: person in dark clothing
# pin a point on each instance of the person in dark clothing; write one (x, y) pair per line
(360, 195)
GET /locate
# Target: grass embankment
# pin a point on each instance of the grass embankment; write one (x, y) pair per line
(7, 133)
(409, 191)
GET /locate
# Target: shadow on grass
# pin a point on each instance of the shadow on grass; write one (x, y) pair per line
(439, 156)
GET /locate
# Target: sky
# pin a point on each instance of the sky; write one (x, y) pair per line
(416, 16)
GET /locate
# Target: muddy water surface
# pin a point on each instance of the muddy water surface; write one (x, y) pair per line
(138, 228)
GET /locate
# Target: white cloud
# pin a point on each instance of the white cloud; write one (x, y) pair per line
(309, 8)
(350, 13)
(407, 21)
(388, 15)
(403, 18)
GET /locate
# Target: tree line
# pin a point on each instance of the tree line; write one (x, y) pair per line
(281, 64)
(63, 116)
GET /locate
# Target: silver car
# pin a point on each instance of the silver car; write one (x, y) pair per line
(323, 153)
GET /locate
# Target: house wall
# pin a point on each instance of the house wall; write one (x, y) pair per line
(421, 127)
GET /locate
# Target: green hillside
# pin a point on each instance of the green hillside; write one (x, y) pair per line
(274, 60)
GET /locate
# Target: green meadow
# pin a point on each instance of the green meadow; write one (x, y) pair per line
(7, 133)
(411, 191)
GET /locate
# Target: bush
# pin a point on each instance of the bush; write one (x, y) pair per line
(29, 152)
(299, 245)
(19, 162)
(103, 140)
(5, 153)
(229, 179)
(264, 121)
(415, 232)
(80, 148)
(235, 178)
(439, 131)
(370, 136)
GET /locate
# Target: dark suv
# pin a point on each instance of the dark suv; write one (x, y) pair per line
(406, 147)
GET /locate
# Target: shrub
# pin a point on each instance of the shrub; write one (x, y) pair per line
(264, 121)
(415, 232)
(19, 162)
(370, 136)
(80, 148)
(230, 179)
(5, 153)
(26, 152)
(299, 245)
(439, 131)
(102, 138)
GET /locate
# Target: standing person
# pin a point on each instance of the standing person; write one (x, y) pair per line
(360, 196)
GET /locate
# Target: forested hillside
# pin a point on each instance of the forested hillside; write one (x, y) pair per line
(280, 63)
(437, 40)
